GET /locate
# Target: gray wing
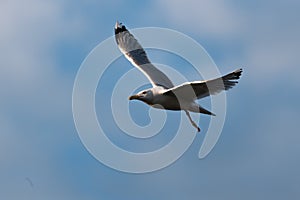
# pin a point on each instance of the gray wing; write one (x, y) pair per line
(200, 89)
(135, 53)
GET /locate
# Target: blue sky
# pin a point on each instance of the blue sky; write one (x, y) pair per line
(42, 46)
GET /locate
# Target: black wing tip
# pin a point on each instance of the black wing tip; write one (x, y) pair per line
(119, 27)
(233, 75)
(238, 73)
(228, 79)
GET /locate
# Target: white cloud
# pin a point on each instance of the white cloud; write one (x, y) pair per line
(267, 38)
(33, 90)
(201, 17)
(29, 32)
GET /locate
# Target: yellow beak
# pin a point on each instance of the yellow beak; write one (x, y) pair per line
(134, 97)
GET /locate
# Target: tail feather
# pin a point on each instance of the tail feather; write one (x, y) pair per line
(196, 108)
(204, 111)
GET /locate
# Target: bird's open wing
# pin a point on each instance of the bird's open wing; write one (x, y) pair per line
(201, 89)
(135, 53)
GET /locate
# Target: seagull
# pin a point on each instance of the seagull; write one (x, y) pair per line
(163, 94)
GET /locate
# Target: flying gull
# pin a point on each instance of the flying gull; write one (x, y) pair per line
(164, 94)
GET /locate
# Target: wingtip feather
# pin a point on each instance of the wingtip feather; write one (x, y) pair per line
(119, 27)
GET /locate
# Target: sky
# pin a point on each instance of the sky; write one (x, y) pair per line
(43, 44)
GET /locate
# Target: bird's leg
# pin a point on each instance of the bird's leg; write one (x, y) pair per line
(193, 123)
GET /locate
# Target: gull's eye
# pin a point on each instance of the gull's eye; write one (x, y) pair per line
(145, 92)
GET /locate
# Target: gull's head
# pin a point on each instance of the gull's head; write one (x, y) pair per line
(145, 96)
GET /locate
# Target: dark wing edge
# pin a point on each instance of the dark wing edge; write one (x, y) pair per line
(201, 89)
(135, 53)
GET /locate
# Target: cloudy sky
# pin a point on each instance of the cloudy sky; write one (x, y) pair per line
(43, 44)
